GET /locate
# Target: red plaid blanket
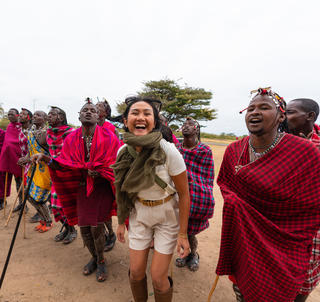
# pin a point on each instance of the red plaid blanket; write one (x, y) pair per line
(103, 153)
(271, 214)
(55, 138)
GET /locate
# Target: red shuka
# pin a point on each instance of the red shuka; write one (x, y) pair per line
(271, 214)
(103, 153)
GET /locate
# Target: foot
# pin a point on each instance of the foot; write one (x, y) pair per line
(101, 274)
(110, 242)
(35, 218)
(90, 267)
(71, 236)
(193, 262)
(61, 235)
(46, 227)
(39, 226)
(182, 262)
(17, 208)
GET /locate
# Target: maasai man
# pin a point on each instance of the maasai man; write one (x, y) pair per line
(200, 167)
(3, 176)
(87, 194)
(301, 116)
(11, 152)
(57, 132)
(40, 189)
(104, 112)
(270, 182)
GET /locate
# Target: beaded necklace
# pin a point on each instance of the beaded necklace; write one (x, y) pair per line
(88, 142)
(271, 146)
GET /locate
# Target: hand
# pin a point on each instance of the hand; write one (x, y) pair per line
(93, 173)
(307, 137)
(183, 247)
(120, 232)
(23, 161)
(36, 158)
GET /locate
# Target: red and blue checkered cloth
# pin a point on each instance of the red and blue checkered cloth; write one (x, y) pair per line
(200, 167)
(271, 215)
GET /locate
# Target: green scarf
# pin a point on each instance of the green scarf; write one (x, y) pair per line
(135, 171)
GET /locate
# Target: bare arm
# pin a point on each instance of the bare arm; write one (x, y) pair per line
(182, 187)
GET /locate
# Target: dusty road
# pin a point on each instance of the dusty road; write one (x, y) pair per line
(43, 270)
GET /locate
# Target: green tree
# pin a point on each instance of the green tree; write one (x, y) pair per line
(178, 101)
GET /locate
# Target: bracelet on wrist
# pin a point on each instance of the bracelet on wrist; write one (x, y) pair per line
(183, 235)
(50, 162)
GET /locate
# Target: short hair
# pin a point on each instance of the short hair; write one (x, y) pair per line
(14, 109)
(189, 118)
(29, 112)
(308, 105)
(62, 113)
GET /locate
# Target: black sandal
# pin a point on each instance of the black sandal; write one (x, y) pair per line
(193, 262)
(182, 262)
(101, 274)
(90, 267)
(71, 236)
(61, 235)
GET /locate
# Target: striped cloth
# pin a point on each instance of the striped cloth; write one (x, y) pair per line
(271, 215)
(200, 167)
(72, 158)
(55, 138)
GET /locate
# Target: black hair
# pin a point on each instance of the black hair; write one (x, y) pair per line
(166, 133)
(308, 105)
(14, 109)
(29, 112)
(62, 113)
(107, 108)
(88, 101)
(189, 118)
(146, 100)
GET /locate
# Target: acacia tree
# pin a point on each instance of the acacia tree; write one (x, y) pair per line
(178, 102)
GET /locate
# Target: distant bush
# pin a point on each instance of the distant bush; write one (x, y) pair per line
(228, 136)
(4, 123)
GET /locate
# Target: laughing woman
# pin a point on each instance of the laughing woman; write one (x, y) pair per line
(152, 189)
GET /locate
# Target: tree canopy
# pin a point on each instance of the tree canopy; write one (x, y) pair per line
(178, 102)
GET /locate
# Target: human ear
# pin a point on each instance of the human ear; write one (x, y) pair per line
(125, 122)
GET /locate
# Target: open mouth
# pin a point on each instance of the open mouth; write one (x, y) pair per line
(140, 127)
(255, 121)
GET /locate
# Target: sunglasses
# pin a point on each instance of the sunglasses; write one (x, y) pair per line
(154, 102)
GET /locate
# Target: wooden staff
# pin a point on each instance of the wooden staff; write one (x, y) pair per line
(213, 287)
(17, 227)
(5, 195)
(23, 209)
(13, 206)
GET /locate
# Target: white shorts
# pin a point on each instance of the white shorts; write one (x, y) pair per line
(160, 223)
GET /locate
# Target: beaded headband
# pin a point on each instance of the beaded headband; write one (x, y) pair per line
(279, 101)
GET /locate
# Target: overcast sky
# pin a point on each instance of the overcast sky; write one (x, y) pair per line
(59, 52)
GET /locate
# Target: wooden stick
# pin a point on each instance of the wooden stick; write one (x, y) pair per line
(5, 195)
(16, 229)
(213, 287)
(13, 206)
(24, 207)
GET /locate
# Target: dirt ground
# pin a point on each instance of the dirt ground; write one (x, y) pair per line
(43, 270)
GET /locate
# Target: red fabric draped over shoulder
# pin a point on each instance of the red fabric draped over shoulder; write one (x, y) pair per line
(11, 151)
(103, 153)
(271, 214)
